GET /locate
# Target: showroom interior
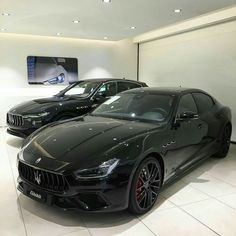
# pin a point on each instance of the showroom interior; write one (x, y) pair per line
(154, 43)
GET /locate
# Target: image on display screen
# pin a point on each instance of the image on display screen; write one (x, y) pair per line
(52, 70)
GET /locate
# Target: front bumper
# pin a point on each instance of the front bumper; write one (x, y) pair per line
(22, 133)
(100, 197)
(20, 126)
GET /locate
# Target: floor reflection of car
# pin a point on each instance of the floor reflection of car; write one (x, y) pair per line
(77, 99)
(123, 153)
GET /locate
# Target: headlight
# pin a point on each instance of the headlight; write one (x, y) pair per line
(98, 172)
(20, 154)
(57, 80)
(33, 116)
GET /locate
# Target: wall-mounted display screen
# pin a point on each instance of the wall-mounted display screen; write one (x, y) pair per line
(52, 70)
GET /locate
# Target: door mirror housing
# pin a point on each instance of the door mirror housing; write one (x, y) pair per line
(183, 117)
(100, 96)
(187, 115)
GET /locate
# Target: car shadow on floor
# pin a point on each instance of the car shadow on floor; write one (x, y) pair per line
(15, 142)
(32, 209)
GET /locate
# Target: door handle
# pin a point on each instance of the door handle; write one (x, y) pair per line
(199, 126)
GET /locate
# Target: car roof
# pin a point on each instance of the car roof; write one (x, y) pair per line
(165, 90)
(111, 79)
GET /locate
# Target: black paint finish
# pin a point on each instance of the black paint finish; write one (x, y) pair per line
(59, 107)
(83, 143)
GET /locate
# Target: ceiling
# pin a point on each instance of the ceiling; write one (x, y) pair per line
(97, 19)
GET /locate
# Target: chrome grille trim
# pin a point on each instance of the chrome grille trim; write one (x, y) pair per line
(15, 120)
(49, 181)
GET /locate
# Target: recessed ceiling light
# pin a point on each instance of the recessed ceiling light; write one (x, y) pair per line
(5, 14)
(133, 27)
(58, 34)
(76, 21)
(106, 1)
(177, 10)
(3, 29)
(105, 38)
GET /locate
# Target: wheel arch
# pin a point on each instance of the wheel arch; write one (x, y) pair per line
(154, 154)
(160, 160)
(151, 154)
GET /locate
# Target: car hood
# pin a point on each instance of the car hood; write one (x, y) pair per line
(80, 141)
(37, 105)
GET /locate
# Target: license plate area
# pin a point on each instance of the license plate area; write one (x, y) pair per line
(36, 195)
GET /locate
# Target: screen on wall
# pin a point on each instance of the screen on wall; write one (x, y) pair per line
(52, 70)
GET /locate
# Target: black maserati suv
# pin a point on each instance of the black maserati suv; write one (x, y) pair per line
(123, 153)
(77, 99)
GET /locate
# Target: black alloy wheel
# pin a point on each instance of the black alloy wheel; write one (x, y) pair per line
(225, 142)
(145, 186)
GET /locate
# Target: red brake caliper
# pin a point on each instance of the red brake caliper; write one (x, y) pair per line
(138, 185)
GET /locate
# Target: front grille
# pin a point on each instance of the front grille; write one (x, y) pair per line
(44, 179)
(15, 120)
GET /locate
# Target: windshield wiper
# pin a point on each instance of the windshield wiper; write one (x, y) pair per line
(113, 117)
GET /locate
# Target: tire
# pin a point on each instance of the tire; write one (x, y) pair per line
(145, 186)
(224, 142)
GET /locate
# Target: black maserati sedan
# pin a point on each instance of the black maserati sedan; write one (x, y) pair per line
(75, 100)
(121, 155)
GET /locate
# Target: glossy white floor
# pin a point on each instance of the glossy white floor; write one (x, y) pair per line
(201, 203)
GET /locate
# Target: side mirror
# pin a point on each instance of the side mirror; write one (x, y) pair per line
(187, 115)
(182, 117)
(100, 96)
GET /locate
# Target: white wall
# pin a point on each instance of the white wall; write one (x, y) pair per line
(204, 58)
(96, 59)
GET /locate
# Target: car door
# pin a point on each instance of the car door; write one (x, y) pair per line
(208, 113)
(189, 133)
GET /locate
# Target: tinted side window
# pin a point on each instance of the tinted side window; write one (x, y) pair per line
(187, 104)
(204, 102)
(108, 89)
(123, 86)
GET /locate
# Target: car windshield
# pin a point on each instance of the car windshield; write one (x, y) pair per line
(83, 89)
(137, 106)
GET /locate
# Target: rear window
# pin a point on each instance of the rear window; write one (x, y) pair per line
(204, 102)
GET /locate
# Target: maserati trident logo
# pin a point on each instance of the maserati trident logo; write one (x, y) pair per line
(37, 177)
(38, 160)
